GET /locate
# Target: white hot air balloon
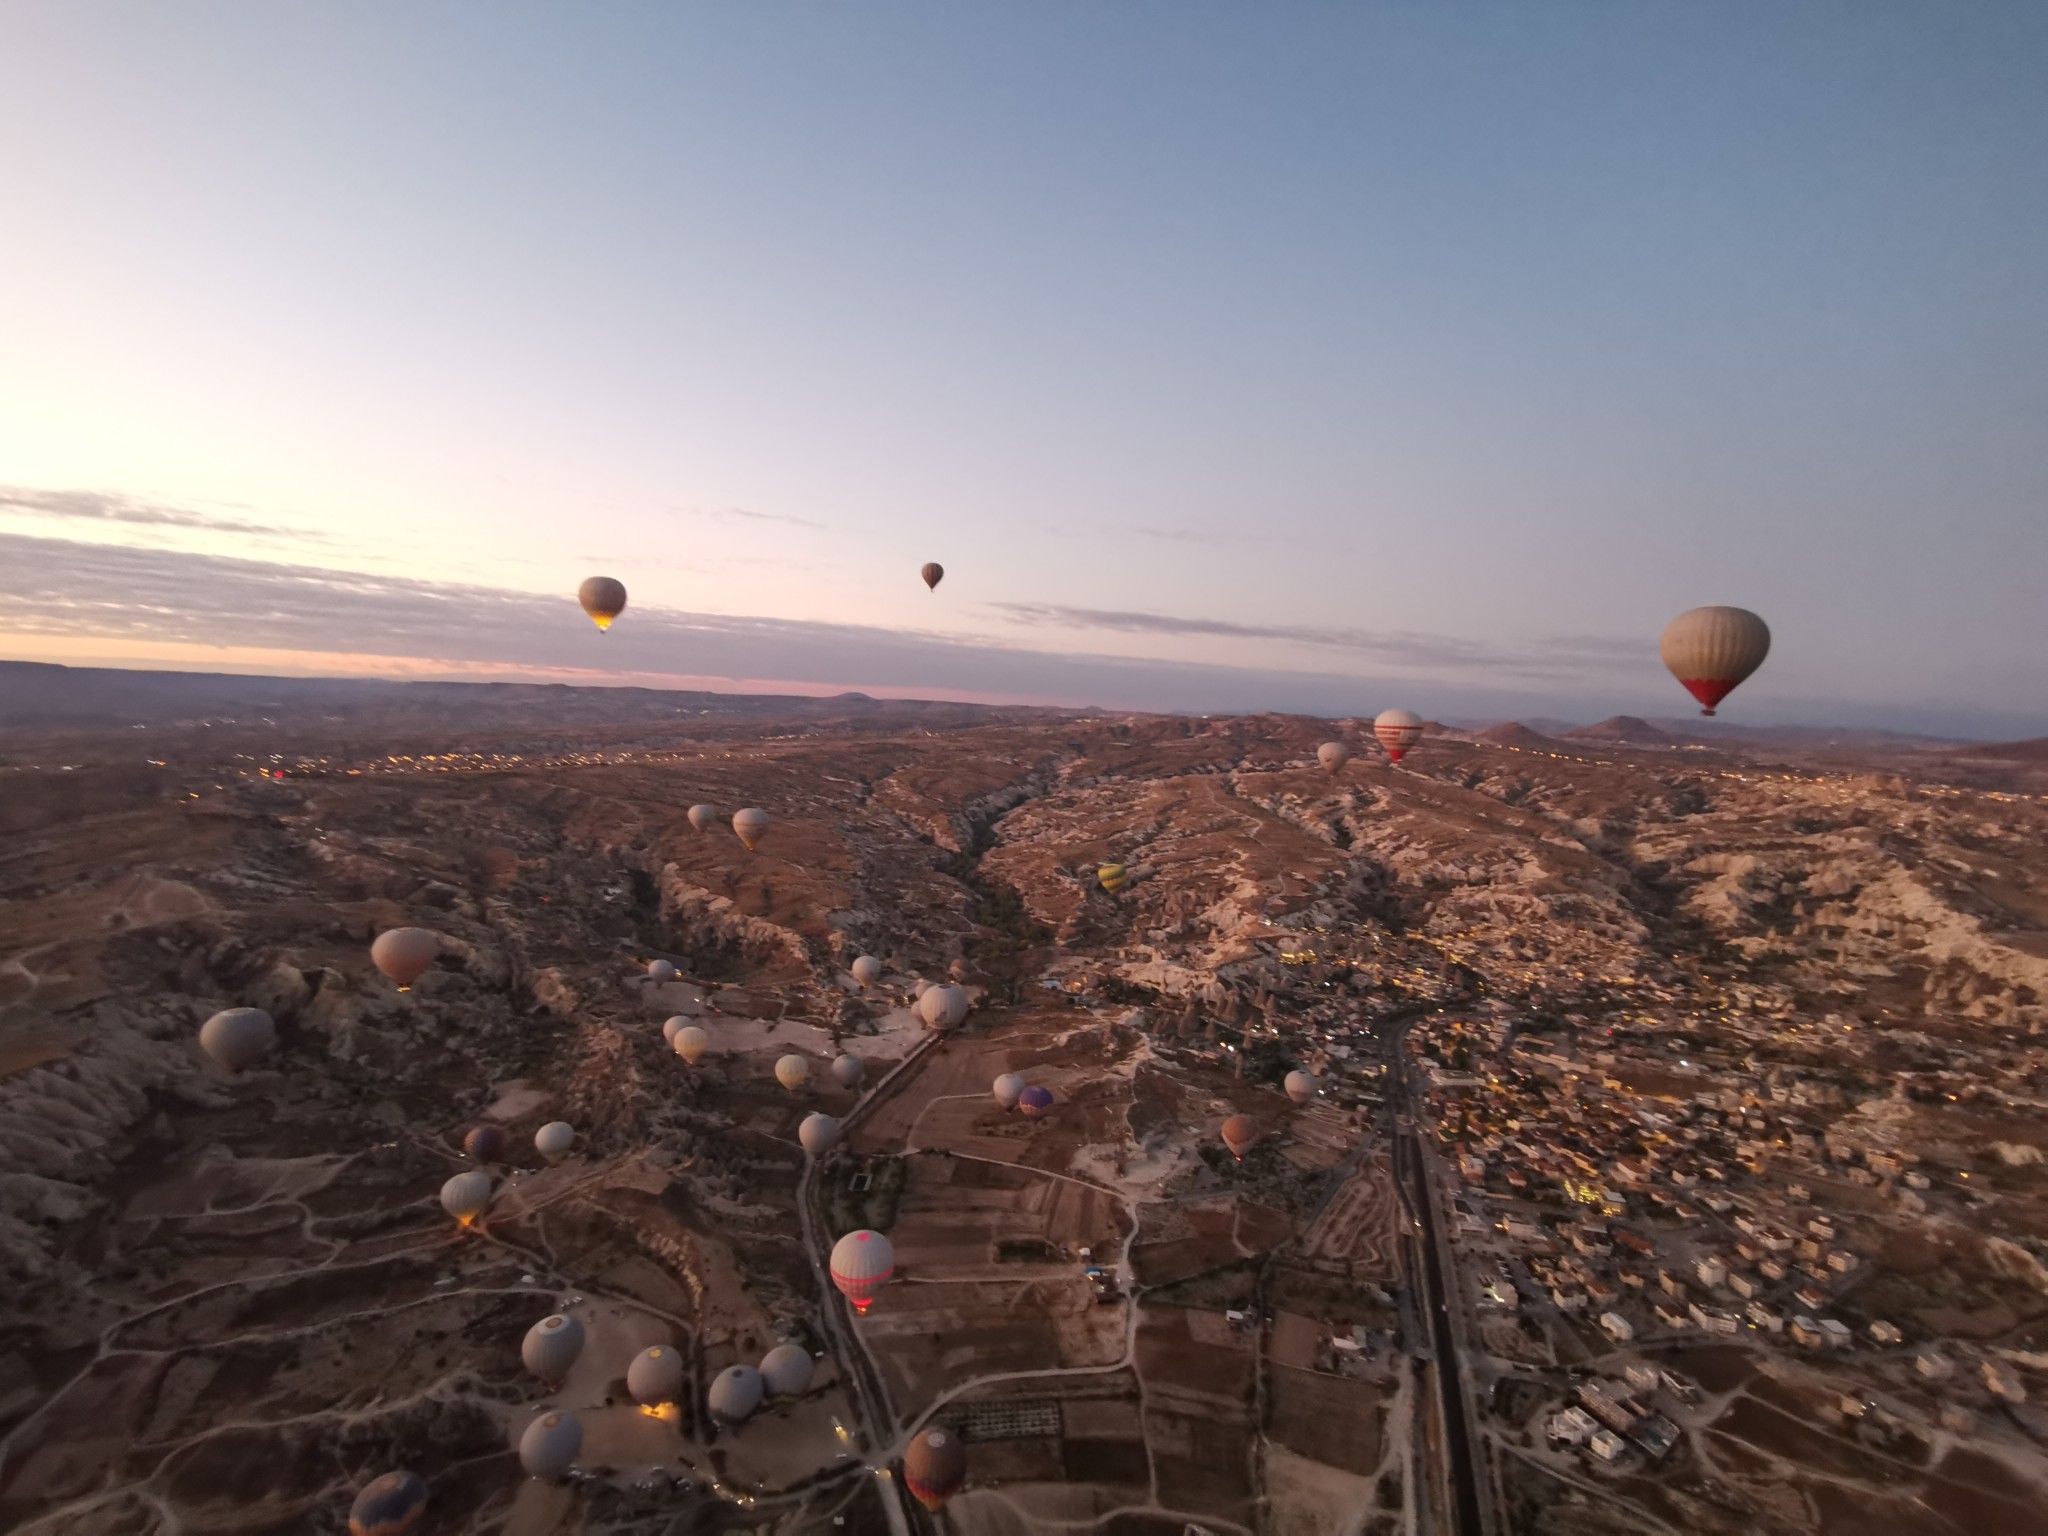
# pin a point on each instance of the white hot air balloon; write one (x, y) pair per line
(793, 1071)
(847, 1071)
(943, 1007)
(1333, 755)
(465, 1196)
(786, 1371)
(656, 1376)
(1711, 650)
(1300, 1086)
(669, 1026)
(867, 970)
(1007, 1089)
(238, 1038)
(751, 825)
(551, 1346)
(550, 1445)
(690, 1043)
(735, 1393)
(660, 972)
(819, 1134)
(553, 1140)
(703, 817)
(861, 1265)
(1397, 730)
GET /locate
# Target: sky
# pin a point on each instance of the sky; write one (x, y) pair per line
(1303, 356)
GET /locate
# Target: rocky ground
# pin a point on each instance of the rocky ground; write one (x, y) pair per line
(232, 1300)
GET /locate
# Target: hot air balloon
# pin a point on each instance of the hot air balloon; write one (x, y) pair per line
(403, 954)
(1711, 650)
(238, 1038)
(735, 1393)
(862, 1263)
(660, 972)
(1035, 1103)
(550, 1445)
(960, 970)
(1239, 1134)
(847, 1071)
(867, 970)
(818, 1134)
(465, 1196)
(690, 1042)
(390, 1505)
(553, 1140)
(1397, 730)
(603, 599)
(1114, 877)
(921, 986)
(786, 1371)
(484, 1143)
(669, 1026)
(943, 1007)
(1333, 755)
(934, 1467)
(792, 1071)
(933, 573)
(750, 824)
(655, 1376)
(551, 1346)
(1008, 1088)
(1300, 1086)
(703, 817)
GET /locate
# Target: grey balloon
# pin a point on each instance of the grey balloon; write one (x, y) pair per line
(656, 1375)
(819, 1134)
(465, 1196)
(867, 970)
(943, 1007)
(238, 1038)
(553, 1140)
(786, 1371)
(551, 1346)
(550, 1445)
(703, 817)
(848, 1070)
(735, 1393)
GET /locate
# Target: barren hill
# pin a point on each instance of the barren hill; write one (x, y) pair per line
(1621, 728)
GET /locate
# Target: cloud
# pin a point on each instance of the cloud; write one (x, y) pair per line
(105, 507)
(1554, 657)
(744, 514)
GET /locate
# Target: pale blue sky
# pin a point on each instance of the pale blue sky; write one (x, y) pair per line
(1447, 347)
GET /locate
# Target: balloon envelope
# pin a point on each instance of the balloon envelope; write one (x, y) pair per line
(551, 1346)
(1239, 1134)
(735, 1393)
(465, 1196)
(818, 1134)
(485, 1143)
(943, 1007)
(1333, 755)
(792, 1071)
(238, 1038)
(862, 1263)
(554, 1139)
(660, 972)
(786, 1371)
(750, 824)
(1035, 1103)
(1114, 877)
(390, 1505)
(847, 1071)
(603, 599)
(1711, 650)
(1300, 1087)
(934, 1466)
(1397, 730)
(655, 1376)
(690, 1043)
(867, 970)
(1008, 1089)
(550, 1445)
(933, 573)
(403, 954)
(703, 817)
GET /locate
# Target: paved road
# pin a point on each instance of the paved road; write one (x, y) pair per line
(1467, 1499)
